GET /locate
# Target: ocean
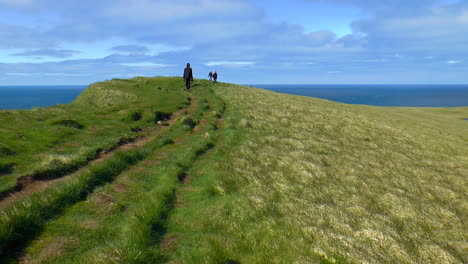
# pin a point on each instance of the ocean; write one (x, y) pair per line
(27, 97)
(381, 95)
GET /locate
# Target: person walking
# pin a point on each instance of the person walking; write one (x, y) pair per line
(188, 76)
(210, 75)
(215, 77)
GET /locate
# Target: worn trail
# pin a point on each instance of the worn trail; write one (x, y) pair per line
(117, 193)
(28, 186)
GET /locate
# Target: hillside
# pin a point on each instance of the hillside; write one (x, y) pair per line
(236, 175)
(45, 142)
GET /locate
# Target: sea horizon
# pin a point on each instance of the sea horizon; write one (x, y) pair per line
(392, 95)
(388, 95)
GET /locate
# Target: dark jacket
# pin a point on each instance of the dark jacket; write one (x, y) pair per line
(188, 73)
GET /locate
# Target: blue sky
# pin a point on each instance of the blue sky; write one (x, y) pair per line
(246, 41)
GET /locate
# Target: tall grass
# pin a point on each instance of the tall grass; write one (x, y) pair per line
(304, 180)
(146, 225)
(291, 180)
(26, 218)
(97, 120)
(126, 227)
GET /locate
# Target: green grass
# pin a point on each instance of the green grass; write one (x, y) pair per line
(66, 137)
(303, 180)
(119, 226)
(274, 178)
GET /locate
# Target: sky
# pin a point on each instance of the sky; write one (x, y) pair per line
(50, 42)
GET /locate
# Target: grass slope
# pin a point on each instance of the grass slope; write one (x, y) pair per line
(247, 176)
(303, 180)
(65, 137)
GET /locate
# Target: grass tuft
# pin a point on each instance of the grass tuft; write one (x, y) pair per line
(68, 123)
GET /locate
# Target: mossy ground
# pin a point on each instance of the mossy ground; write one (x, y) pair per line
(252, 176)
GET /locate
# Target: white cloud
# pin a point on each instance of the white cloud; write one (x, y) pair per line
(229, 63)
(146, 64)
(377, 60)
(18, 74)
(17, 3)
(464, 17)
(147, 11)
(233, 35)
(61, 74)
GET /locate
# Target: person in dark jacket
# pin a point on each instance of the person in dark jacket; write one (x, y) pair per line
(210, 75)
(188, 76)
(215, 76)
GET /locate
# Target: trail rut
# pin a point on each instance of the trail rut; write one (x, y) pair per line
(28, 186)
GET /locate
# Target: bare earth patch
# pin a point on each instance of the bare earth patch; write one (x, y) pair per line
(53, 249)
(160, 155)
(120, 187)
(201, 125)
(103, 198)
(152, 162)
(169, 243)
(89, 224)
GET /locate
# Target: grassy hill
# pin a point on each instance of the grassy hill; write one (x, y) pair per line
(47, 142)
(244, 175)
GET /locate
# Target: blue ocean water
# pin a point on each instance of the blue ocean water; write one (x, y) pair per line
(27, 97)
(381, 95)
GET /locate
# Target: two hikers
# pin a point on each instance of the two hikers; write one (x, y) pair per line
(188, 76)
(213, 76)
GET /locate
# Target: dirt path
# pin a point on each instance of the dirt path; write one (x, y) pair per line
(30, 186)
(169, 241)
(105, 197)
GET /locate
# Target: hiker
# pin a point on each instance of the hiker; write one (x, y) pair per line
(188, 76)
(210, 75)
(215, 76)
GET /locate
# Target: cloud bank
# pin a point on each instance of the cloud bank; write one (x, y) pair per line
(395, 41)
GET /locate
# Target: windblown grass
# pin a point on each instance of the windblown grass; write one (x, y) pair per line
(26, 218)
(102, 116)
(290, 180)
(124, 221)
(303, 180)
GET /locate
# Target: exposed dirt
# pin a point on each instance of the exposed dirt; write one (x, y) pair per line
(175, 262)
(152, 162)
(72, 144)
(160, 155)
(179, 140)
(89, 224)
(103, 198)
(28, 186)
(53, 249)
(201, 125)
(120, 187)
(169, 243)
(188, 179)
